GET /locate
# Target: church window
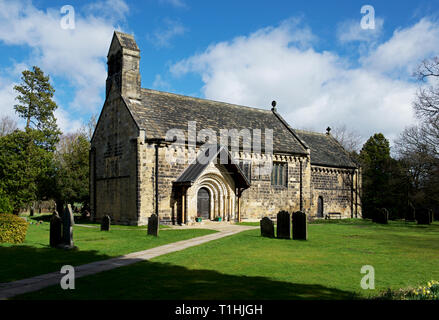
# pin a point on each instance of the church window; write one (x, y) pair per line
(279, 174)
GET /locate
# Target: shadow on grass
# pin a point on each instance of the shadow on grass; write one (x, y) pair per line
(163, 281)
(18, 262)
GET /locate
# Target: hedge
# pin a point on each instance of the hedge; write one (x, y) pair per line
(12, 228)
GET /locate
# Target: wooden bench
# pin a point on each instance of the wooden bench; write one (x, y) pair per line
(330, 214)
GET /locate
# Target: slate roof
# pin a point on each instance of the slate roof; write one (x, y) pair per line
(159, 112)
(126, 40)
(195, 169)
(325, 150)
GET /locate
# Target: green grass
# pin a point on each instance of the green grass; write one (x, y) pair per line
(35, 257)
(247, 266)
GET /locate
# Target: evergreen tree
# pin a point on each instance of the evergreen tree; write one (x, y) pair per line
(72, 169)
(375, 159)
(36, 106)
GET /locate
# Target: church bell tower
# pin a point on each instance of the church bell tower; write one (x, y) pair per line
(123, 66)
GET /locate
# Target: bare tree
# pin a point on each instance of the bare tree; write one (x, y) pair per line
(426, 104)
(89, 128)
(349, 139)
(7, 125)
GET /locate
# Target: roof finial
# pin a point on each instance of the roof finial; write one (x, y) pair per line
(328, 130)
(273, 104)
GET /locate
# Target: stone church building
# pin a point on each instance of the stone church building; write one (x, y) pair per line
(138, 168)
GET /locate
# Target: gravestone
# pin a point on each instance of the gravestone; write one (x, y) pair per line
(105, 223)
(68, 223)
(411, 212)
(381, 216)
(55, 230)
(431, 213)
(283, 225)
(300, 228)
(267, 227)
(423, 216)
(153, 225)
(32, 211)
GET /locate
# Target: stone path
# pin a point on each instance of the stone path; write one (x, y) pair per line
(11, 289)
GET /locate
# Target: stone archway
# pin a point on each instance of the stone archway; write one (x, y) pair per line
(220, 191)
(203, 203)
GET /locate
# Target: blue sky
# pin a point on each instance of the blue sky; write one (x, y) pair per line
(311, 56)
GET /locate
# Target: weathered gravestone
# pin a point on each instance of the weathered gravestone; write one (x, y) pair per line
(153, 225)
(283, 225)
(55, 230)
(67, 222)
(381, 216)
(300, 228)
(410, 213)
(105, 223)
(267, 227)
(423, 216)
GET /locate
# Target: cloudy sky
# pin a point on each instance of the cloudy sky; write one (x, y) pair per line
(315, 58)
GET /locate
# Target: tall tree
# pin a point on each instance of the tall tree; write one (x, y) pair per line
(36, 106)
(26, 159)
(374, 157)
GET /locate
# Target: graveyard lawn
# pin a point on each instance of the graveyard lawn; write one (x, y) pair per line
(248, 266)
(34, 256)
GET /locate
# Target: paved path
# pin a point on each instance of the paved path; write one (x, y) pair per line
(10, 289)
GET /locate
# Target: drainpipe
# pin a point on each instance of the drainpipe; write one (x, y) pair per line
(352, 194)
(157, 178)
(301, 195)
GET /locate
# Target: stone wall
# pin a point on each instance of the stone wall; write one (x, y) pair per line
(113, 163)
(261, 199)
(334, 185)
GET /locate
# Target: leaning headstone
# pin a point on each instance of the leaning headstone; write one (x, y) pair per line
(153, 225)
(300, 228)
(423, 216)
(105, 223)
(55, 230)
(267, 227)
(283, 225)
(67, 223)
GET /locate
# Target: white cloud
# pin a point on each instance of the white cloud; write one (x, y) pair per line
(162, 37)
(405, 49)
(77, 56)
(350, 30)
(313, 89)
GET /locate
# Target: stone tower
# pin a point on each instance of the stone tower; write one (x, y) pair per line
(123, 66)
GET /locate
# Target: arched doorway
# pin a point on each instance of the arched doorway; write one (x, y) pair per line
(320, 208)
(203, 203)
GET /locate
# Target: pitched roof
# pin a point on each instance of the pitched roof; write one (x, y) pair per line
(195, 169)
(325, 150)
(159, 112)
(126, 40)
